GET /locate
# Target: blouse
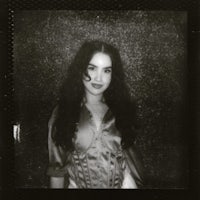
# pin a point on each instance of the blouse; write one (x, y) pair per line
(97, 160)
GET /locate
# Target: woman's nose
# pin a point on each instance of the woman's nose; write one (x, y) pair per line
(98, 76)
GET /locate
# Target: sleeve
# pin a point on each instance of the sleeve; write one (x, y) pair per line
(128, 182)
(135, 166)
(57, 156)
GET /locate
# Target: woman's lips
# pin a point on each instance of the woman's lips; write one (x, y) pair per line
(96, 86)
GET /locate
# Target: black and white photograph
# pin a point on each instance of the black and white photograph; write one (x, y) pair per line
(98, 96)
(100, 99)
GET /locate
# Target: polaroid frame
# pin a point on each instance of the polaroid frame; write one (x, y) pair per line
(193, 91)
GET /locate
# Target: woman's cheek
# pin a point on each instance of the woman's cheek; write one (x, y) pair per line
(108, 78)
(91, 74)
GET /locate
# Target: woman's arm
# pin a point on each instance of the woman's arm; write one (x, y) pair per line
(129, 182)
(56, 157)
(56, 182)
(135, 166)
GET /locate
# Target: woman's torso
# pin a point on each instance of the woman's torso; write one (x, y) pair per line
(97, 160)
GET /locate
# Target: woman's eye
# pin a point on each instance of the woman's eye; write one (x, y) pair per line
(108, 71)
(91, 68)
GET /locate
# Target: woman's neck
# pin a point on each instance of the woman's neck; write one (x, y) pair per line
(93, 100)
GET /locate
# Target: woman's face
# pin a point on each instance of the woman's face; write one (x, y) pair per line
(100, 70)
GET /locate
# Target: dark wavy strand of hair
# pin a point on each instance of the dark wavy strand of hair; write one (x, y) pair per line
(116, 96)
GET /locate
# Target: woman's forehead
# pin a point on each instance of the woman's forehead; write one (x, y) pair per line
(101, 59)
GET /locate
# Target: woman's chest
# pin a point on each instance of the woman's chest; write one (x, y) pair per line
(88, 136)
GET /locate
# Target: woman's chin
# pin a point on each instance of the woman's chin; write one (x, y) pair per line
(96, 92)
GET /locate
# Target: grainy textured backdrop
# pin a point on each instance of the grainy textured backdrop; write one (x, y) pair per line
(153, 49)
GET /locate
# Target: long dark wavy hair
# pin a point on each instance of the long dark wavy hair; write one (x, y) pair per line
(116, 96)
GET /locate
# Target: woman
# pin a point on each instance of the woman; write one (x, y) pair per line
(92, 129)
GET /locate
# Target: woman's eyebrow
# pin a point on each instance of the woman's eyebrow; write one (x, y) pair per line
(97, 66)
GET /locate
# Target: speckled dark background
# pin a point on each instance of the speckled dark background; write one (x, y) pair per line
(153, 47)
